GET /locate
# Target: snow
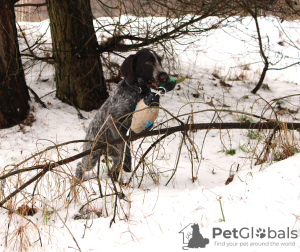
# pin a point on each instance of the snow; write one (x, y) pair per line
(260, 196)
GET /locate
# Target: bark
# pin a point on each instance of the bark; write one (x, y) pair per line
(78, 68)
(14, 95)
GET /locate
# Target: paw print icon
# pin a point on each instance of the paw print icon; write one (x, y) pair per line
(261, 233)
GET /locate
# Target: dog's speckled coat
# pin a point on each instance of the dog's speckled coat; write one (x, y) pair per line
(142, 71)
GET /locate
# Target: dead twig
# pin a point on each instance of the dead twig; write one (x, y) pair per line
(37, 98)
(168, 131)
(30, 5)
(178, 158)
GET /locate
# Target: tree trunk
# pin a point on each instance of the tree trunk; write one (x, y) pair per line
(78, 68)
(14, 95)
(262, 53)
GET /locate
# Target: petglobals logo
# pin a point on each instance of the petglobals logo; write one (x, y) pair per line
(192, 238)
(245, 233)
(237, 237)
(254, 237)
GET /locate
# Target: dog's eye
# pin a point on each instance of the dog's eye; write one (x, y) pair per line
(150, 63)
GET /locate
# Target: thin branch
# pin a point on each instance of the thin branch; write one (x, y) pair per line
(168, 131)
(37, 98)
(29, 4)
(254, 15)
(46, 59)
(49, 60)
(115, 44)
(143, 157)
(178, 158)
(109, 7)
(283, 68)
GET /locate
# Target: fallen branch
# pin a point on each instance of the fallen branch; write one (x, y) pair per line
(37, 98)
(167, 131)
(30, 5)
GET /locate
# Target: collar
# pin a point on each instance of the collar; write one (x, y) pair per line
(137, 89)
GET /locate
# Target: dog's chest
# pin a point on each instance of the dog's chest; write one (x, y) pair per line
(122, 104)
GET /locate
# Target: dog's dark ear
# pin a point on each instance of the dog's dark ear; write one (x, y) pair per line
(127, 69)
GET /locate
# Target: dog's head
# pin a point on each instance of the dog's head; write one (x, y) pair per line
(145, 67)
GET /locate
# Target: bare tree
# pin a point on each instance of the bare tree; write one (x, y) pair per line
(78, 68)
(76, 52)
(14, 95)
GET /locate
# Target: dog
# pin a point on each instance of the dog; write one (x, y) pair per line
(142, 71)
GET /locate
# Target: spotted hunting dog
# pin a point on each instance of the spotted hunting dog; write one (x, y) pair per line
(142, 72)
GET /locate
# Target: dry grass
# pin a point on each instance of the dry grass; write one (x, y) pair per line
(53, 197)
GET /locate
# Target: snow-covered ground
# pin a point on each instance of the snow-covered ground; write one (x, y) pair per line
(261, 199)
